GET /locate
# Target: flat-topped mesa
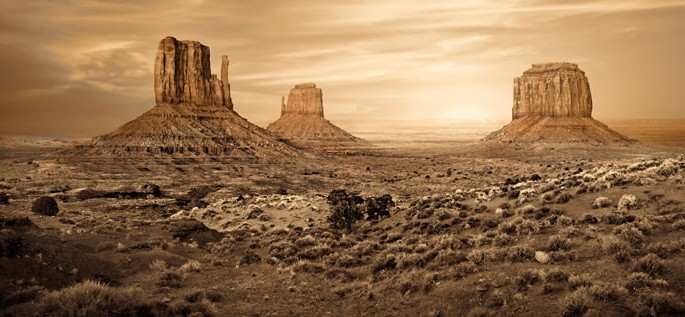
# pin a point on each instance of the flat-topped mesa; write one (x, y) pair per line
(183, 75)
(304, 99)
(552, 90)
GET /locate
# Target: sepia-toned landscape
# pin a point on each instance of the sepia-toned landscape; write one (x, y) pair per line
(191, 208)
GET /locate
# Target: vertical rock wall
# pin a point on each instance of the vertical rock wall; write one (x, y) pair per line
(304, 99)
(552, 90)
(183, 75)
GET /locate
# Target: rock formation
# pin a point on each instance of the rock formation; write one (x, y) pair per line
(193, 113)
(552, 102)
(302, 122)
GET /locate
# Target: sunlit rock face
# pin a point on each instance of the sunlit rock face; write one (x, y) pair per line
(552, 90)
(304, 99)
(183, 75)
(553, 103)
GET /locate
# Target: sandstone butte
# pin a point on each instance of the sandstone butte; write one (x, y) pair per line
(302, 122)
(553, 103)
(193, 114)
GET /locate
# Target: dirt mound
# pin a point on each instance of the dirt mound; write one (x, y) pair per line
(568, 129)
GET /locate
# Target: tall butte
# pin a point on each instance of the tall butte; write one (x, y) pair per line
(193, 114)
(552, 102)
(302, 122)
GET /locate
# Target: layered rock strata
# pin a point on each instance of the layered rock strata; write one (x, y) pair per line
(553, 102)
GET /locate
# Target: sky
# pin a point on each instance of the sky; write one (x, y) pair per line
(84, 67)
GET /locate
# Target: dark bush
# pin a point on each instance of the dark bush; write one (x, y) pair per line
(345, 209)
(45, 205)
(4, 199)
(377, 207)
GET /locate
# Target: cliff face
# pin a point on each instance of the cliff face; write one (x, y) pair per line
(552, 90)
(183, 75)
(304, 99)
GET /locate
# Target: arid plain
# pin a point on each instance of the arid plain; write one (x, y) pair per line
(191, 210)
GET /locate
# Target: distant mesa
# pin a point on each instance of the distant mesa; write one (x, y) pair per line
(193, 114)
(552, 102)
(302, 122)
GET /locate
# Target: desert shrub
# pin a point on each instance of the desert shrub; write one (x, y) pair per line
(384, 263)
(576, 303)
(476, 256)
(462, 270)
(347, 260)
(513, 194)
(608, 292)
(678, 225)
(158, 265)
(4, 198)
(10, 243)
(170, 279)
(577, 281)
(664, 250)
(627, 202)
(557, 242)
(564, 198)
(314, 252)
(449, 258)
(366, 247)
(556, 276)
(650, 264)
(345, 209)
(520, 254)
(566, 221)
(526, 279)
(589, 219)
(191, 266)
(308, 267)
(602, 202)
(305, 241)
(378, 207)
(250, 257)
(633, 236)
(660, 303)
(503, 239)
(23, 295)
(90, 298)
(45, 205)
(639, 280)
(559, 257)
(89, 194)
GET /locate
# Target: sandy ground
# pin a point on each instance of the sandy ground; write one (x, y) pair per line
(476, 229)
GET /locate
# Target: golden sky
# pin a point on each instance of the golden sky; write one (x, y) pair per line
(81, 68)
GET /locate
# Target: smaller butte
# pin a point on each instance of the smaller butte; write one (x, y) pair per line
(553, 103)
(302, 122)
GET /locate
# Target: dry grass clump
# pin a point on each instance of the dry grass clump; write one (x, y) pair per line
(633, 236)
(190, 266)
(576, 303)
(608, 292)
(650, 264)
(661, 303)
(476, 257)
(639, 280)
(627, 202)
(158, 265)
(556, 275)
(602, 202)
(557, 243)
(520, 254)
(314, 252)
(581, 280)
(304, 266)
(678, 225)
(524, 280)
(90, 298)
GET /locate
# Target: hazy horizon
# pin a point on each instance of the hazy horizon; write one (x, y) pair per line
(83, 68)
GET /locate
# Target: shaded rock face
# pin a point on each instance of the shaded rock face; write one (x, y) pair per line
(304, 99)
(552, 103)
(552, 90)
(183, 75)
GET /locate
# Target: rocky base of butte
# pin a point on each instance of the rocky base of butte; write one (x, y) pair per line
(553, 103)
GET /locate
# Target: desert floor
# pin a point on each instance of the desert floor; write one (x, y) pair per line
(477, 229)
